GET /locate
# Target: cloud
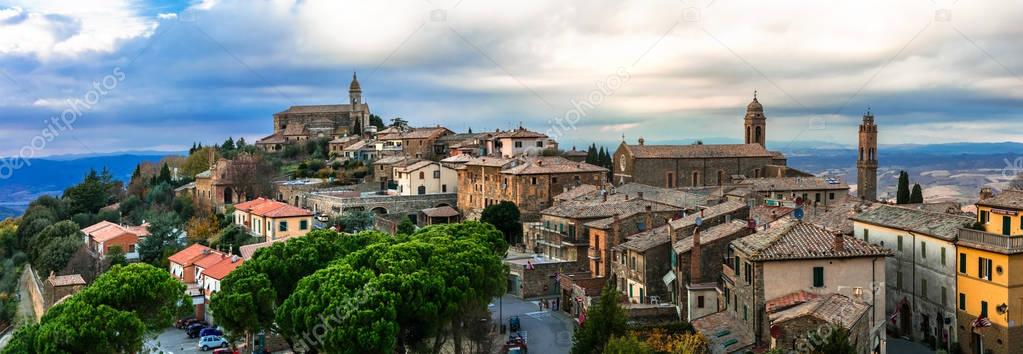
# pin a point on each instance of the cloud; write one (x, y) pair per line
(215, 66)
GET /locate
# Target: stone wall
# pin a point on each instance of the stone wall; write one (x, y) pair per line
(539, 282)
(335, 205)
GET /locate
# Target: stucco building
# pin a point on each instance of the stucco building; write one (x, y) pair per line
(425, 177)
(272, 220)
(103, 236)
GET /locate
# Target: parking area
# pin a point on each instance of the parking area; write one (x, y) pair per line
(545, 331)
(174, 341)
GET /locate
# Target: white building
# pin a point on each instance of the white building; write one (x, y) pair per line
(425, 177)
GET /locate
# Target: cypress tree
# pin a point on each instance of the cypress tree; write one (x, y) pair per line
(591, 154)
(917, 196)
(903, 194)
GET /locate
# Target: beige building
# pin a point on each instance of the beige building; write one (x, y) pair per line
(272, 219)
(425, 177)
(521, 142)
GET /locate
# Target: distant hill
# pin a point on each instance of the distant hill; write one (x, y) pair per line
(47, 176)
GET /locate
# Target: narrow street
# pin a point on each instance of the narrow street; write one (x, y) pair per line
(546, 331)
(25, 312)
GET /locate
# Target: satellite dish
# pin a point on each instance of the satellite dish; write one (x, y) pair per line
(798, 213)
(699, 221)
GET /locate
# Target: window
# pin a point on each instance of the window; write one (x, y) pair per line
(923, 250)
(866, 235)
(745, 312)
(944, 296)
(943, 256)
(923, 288)
(303, 225)
(899, 246)
(898, 280)
(640, 226)
(983, 268)
(749, 273)
(443, 188)
(539, 144)
(422, 175)
(283, 226)
(699, 302)
(436, 174)
(632, 261)
(831, 196)
(518, 144)
(962, 301)
(983, 308)
(735, 303)
(818, 277)
(554, 179)
(962, 263)
(817, 198)
(736, 268)
(985, 216)
(532, 180)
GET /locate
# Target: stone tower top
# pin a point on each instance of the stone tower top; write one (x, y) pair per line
(755, 123)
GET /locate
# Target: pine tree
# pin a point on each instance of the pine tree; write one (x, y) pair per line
(917, 196)
(903, 193)
(604, 320)
(241, 143)
(165, 174)
(601, 155)
(228, 144)
(192, 150)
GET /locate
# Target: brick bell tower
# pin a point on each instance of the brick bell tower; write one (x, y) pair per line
(866, 164)
(756, 123)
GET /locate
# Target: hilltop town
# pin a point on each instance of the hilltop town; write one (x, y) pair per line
(340, 232)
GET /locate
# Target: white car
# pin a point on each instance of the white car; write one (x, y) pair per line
(211, 342)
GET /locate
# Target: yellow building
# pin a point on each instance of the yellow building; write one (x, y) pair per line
(273, 220)
(987, 288)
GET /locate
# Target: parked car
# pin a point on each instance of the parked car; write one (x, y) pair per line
(210, 342)
(210, 331)
(185, 322)
(194, 330)
(224, 351)
(323, 218)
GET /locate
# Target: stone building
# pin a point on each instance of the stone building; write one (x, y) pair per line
(815, 191)
(866, 163)
(300, 123)
(793, 257)
(529, 182)
(921, 276)
(416, 142)
(60, 286)
(755, 123)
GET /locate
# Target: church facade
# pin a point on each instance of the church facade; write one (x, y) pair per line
(698, 165)
(300, 123)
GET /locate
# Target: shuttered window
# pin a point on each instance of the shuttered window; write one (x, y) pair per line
(818, 277)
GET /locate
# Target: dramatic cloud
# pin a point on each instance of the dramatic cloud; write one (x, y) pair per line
(666, 70)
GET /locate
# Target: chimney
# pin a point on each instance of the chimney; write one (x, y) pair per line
(986, 193)
(695, 257)
(649, 218)
(839, 244)
(616, 230)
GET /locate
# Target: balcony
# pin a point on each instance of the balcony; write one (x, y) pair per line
(991, 242)
(594, 254)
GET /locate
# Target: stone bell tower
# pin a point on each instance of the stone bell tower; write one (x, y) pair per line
(866, 164)
(756, 123)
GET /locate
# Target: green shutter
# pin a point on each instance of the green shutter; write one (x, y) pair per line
(962, 263)
(962, 301)
(818, 277)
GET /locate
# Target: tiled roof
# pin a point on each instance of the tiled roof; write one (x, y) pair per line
(413, 165)
(324, 108)
(489, 161)
(441, 212)
(519, 133)
(831, 308)
(188, 255)
(793, 239)
(940, 225)
(796, 184)
(460, 158)
(1008, 199)
(248, 205)
(710, 235)
(356, 146)
(294, 129)
(724, 208)
(204, 174)
(275, 138)
(837, 216)
(97, 226)
(249, 250)
(106, 231)
(789, 300)
(209, 260)
(698, 151)
(550, 164)
(577, 191)
(767, 214)
(415, 133)
(275, 209)
(223, 268)
(597, 209)
(647, 239)
(725, 331)
(66, 280)
(390, 160)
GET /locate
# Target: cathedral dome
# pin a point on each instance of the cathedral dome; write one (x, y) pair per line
(755, 106)
(355, 84)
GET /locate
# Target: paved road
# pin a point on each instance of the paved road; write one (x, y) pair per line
(25, 314)
(174, 341)
(902, 346)
(545, 331)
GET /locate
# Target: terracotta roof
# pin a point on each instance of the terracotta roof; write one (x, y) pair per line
(646, 240)
(1008, 199)
(940, 225)
(576, 192)
(838, 217)
(724, 208)
(249, 205)
(793, 239)
(95, 227)
(550, 164)
(390, 160)
(295, 129)
(106, 231)
(461, 158)
(595, 209)
(275, 138)
(66, 280)
(223, 268)
(789, 300)
(831, 308)
(696, 151)
(189, 255)
(414, 165)
(710, 235)
(210, 260)
(522, 133)
(489, 161)
(324, 108)
(415, 133)
(441, 212)
(249, 250)
(356, 146)
(721, 328)
(275, 209)
(796, 184)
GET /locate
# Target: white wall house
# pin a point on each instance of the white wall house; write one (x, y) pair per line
(425, 177)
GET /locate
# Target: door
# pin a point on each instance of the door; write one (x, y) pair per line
(906, 322)
(1006, 225)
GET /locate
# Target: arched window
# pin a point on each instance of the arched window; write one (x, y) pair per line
(422, 189)
(696, 178)
(861, 154)
(748, 135)
(872, 156)
(759, 134)
(422, 175)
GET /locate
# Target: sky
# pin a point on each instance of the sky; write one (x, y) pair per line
(91, 76)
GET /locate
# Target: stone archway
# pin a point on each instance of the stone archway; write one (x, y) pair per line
(228, 195)
(379, 210)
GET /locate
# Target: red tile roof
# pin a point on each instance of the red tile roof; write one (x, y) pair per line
(106, 231)
(210, 260)
(246, 206)
(188, 255)
(224, 267)
(275, 209)
(698, 151)
(789, 300)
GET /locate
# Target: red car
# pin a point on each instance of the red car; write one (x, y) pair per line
(224, 351)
